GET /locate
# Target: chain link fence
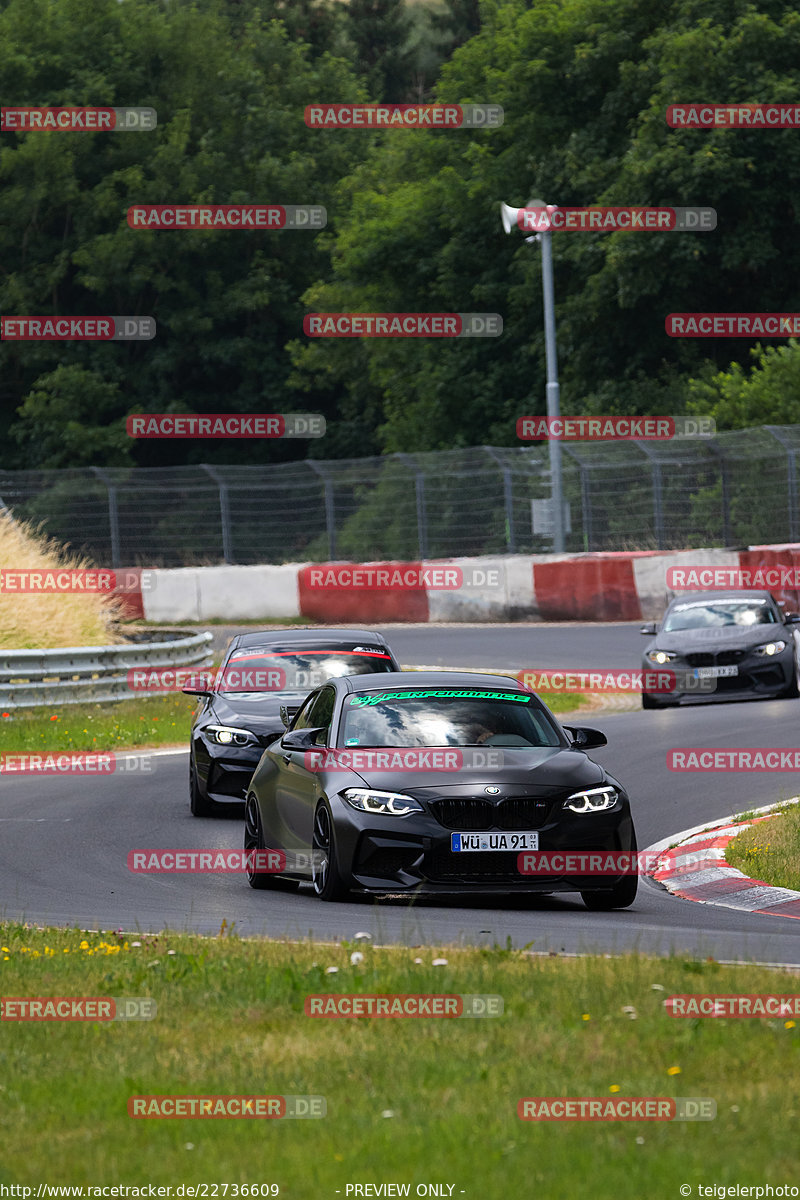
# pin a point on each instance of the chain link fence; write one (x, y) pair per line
(738, 488)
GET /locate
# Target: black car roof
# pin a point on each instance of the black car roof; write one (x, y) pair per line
(390, 680)
(291, 638)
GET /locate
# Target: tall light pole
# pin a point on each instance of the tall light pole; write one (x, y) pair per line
(510, 222)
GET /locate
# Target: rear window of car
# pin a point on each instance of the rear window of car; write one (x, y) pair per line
(300, 670)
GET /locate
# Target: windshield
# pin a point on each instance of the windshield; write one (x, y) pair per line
(248, 671)
(706, 614)
(446, 717)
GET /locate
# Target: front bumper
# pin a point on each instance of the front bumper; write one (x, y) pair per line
(758, 677)
(224, 772)
(413, 853)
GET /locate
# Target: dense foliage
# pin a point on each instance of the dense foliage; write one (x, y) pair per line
(413, 220)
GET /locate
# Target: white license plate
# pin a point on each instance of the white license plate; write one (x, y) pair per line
(461, 842)
(715, 672)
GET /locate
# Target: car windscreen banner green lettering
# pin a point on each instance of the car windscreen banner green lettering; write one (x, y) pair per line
(437, 694)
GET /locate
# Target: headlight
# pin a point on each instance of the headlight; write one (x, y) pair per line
(661, 656)
(229, 735)
(391, 804)
(592, 799)
(770, 648)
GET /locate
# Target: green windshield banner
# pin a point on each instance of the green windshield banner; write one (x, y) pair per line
(439, 693)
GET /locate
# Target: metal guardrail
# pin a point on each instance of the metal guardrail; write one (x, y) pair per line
(77, 674)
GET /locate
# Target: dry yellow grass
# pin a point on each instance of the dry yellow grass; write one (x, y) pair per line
(48, 621)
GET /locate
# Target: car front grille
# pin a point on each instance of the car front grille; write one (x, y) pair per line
(473, 813)
(723, 658)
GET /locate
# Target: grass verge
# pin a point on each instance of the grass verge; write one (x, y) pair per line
(149, 721)
(770, 850)
(409, 1100)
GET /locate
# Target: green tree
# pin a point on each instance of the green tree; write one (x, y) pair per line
(378, 30)
(769, 394)
(230, 90)
(584, 85)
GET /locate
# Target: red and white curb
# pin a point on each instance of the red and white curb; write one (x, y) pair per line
(696, 869)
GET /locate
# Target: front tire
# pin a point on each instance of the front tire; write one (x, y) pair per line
(200, 806)
(621, 895)
(793, 690)
(327, 879)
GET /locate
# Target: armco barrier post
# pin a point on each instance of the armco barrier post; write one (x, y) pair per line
(113, 516)
(224, 512)
(330, 513)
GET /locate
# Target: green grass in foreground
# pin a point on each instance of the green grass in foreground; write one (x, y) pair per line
(770, 850)
(125, 725)
(414, 1101)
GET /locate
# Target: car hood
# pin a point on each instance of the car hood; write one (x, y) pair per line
(257, 711)
(721, 638)
(524, 772)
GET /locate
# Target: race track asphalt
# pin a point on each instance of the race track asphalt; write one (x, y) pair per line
(64, 841)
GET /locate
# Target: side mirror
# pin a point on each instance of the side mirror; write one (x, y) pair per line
(649, 629)
(288, 713)
(791, 618)
(585, 739)
(199, 685)
(301, 739)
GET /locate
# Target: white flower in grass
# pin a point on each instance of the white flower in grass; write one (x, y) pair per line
(439, 962)
(362, 937)
(356, 957)
(331, 970)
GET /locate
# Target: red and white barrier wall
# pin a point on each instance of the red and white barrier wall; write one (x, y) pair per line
(625, 586)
